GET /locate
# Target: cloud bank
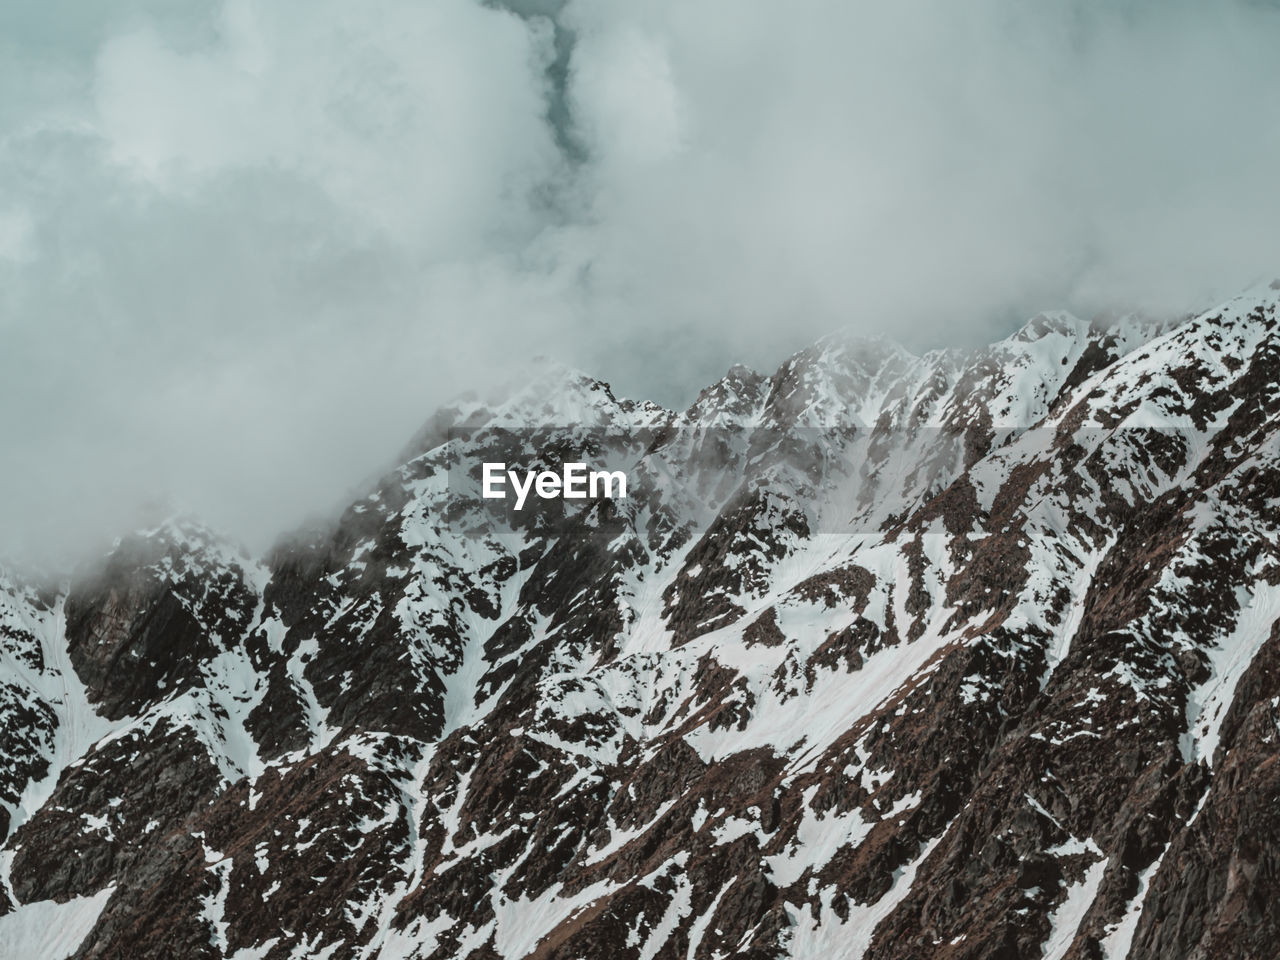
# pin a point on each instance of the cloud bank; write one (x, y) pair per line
(246, 247)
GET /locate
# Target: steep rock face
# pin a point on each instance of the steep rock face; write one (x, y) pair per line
(1215, 883)
(968, 655)
(144, 622)
(118, 804)
(27, 721)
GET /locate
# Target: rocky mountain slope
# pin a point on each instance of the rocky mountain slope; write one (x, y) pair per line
(967, 655)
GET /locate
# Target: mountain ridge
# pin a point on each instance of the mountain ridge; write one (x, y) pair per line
(966, 654)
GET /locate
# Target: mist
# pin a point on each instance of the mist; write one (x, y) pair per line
(246, 248)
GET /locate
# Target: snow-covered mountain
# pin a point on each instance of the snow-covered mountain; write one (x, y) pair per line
(971, 654)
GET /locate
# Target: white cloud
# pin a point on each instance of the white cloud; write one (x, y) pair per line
(626, 99)
(246, 246)
(425, 120)
(15, 235)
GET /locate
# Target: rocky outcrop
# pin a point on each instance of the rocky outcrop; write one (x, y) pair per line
(140, 626)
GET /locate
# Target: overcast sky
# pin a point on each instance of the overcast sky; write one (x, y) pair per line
(247, 247)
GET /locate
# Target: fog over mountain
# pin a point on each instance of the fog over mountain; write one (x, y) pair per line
(861, 668)
(246, 248)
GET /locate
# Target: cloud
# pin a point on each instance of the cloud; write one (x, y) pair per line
(880, 163)
(246, 247)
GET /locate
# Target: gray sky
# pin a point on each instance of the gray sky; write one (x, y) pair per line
(247, 247)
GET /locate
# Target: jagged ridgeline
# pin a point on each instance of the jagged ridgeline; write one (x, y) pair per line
(974, 654)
